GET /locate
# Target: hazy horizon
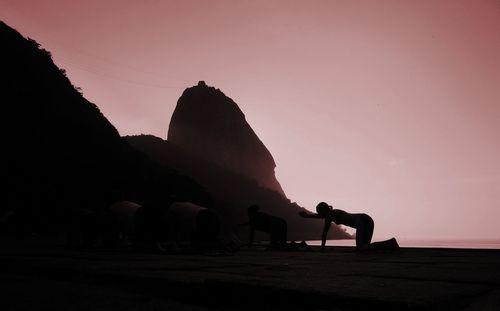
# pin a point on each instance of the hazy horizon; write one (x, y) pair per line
(390, 108)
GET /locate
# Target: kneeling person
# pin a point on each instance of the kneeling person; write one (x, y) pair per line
(198, 224)
(361, 222)
(276, 227)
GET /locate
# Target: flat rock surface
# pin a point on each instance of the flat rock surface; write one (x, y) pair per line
(37, 275)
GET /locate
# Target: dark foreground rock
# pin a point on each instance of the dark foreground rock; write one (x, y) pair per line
(48, 276)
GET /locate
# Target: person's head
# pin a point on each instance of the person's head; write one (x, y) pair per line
(323, 208)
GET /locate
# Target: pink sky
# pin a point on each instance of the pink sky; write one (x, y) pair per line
(386, 107)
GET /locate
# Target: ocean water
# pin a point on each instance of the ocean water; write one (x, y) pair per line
(476, 244)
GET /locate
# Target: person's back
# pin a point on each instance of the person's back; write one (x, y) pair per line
(341, 217)
(183, 214)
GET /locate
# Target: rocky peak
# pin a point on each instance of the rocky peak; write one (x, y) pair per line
(210, 125)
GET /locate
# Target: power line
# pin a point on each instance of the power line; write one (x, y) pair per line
(105, 74)
(66, 46)
(71, 50)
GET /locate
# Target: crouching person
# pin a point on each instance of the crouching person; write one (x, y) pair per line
(276, 227)
(122, 220)
(195, 224)
(130, 222)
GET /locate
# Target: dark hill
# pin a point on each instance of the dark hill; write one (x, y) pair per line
(208, 124)
(59, 152)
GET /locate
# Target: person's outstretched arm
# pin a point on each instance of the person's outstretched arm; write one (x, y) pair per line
(310, 215)
(326, 228)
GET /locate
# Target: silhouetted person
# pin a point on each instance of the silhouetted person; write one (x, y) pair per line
(125, 220)
(198, 224)
(276, 227)
(361, 222)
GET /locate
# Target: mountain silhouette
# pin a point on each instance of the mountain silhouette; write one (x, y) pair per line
(59, 153)
(208, 124)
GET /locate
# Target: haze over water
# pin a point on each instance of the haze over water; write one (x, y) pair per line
(385, 107)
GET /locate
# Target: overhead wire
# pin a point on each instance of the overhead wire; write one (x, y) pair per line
(70, 50)
(114, 77)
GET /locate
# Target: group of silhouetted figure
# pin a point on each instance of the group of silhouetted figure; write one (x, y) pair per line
(146, 227)
(198, 227)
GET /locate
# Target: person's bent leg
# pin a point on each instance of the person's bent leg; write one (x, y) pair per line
(364, 232)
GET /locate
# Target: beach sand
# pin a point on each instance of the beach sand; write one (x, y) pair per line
(40, 275)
